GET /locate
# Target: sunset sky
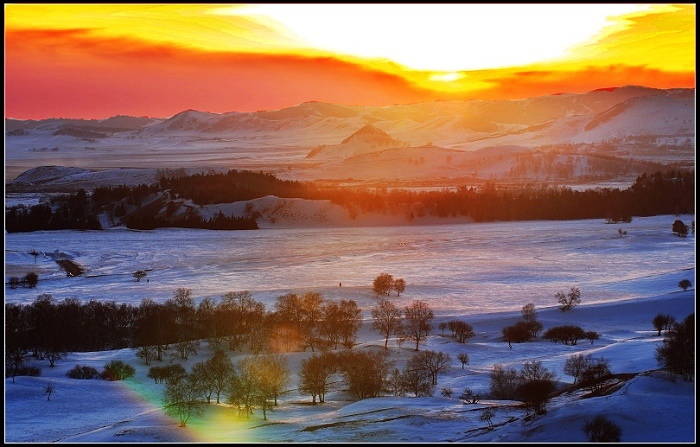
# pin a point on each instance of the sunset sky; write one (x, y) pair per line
(101, 60)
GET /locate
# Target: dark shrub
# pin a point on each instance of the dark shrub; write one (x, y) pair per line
(601, 429)
(31, 371)
(117, 370)
(83, 372)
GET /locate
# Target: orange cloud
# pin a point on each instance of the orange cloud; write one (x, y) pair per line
(71, 73)
(83, 72)
(510, 84)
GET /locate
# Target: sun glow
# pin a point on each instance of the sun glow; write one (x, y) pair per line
(446, 77)
(441, 37)
(60, 58)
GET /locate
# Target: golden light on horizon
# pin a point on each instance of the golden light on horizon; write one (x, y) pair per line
(249, 57)
(446, 77)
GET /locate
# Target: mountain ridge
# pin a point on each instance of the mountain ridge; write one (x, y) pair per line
(652, 127)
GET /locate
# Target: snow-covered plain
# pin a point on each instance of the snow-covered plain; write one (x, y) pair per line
(481, 273)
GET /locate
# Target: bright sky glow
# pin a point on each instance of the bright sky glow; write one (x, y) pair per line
(474, 36)
(73, 59)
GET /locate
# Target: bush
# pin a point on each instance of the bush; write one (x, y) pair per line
(31, 371)
(31, 279)
(679, 228)
(568, 335)
(594, 374)
(520, 332)
(601, 429)
(117, 370)
(83, 372)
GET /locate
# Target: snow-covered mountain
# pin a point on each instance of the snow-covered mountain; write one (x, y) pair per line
(598, 132)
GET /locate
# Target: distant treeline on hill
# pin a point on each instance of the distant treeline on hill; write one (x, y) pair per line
(141, 207)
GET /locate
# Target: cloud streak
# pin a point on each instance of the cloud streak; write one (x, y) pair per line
(101, 70)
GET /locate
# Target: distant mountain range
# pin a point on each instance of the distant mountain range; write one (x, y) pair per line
(606, 135)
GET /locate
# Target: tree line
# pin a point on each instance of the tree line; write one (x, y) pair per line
(672, 192)
(299, 322)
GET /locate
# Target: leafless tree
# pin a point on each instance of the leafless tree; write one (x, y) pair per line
(183, 399)
(387, 320)
(463, 357)
(49, 389)
(316, 374)
(575, 364)
(417, 321)
(433, 362)
(569, 300)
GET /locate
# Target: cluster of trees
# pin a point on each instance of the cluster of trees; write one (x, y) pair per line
(534, 384)
(459, 330)
(676, 354)
(47, 329)
(310, 321)
(525, 329)
(588, 372)
(569, 334)
(70, 211)
(252, 383)
(672, 192)
(151, 221)
(385, 283)
(414, 322)
(30, 280)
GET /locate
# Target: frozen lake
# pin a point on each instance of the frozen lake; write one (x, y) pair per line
(457, 269)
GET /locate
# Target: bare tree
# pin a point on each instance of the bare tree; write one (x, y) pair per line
(504, 382)
(575, 364)
(340, 323)
(311, 305)
(220, 369)
(290, 320)
(399, 285)
(316, 373)
(182, 398)
(49, 389)
(14, 282)
(433, 362)
(387, 320)
(184, 312)
(463, 357)
(365, 372)
(594, 374)
(275, 374)
(529, 313)
(486, 415)
(417, 381)
(536, 385)
(569, 300)
(418, 317)
(463, 331)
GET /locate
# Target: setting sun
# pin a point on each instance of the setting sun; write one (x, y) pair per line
(274, 55)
